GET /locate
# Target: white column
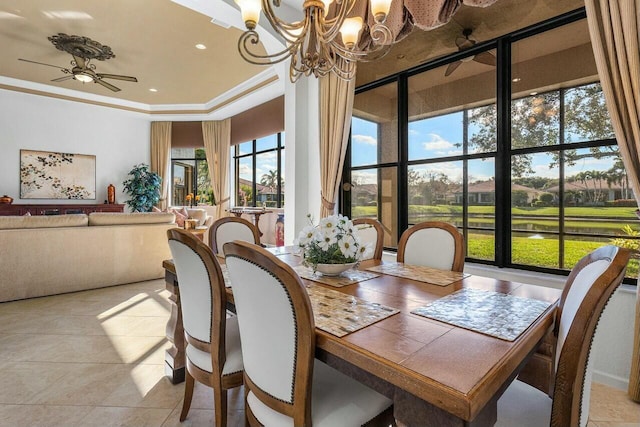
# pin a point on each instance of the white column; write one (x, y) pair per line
(302, 154)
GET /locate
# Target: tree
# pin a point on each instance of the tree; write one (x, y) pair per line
(535, 122)
(143, 187)
(270, 180)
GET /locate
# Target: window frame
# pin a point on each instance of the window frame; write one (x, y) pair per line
(503, 216)
(279, 149)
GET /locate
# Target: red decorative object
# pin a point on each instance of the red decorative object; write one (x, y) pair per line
(280, 230)
(6, 200)
(111, 194)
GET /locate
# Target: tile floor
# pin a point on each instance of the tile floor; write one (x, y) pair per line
(96, 358)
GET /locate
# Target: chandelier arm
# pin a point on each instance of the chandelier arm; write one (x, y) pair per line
(381, 36)
(330, 28)
(252, 38)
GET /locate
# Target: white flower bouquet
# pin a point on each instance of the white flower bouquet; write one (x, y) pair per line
(333, 241)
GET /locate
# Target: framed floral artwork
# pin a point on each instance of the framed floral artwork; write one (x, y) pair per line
(49, 175)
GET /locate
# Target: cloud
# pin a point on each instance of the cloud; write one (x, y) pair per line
(362, 177)
(437, 143)
(364, 139)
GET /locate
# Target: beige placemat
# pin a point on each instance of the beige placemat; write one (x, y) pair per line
(419, 273)
(340, 314)
(345, 278)
(500, 315)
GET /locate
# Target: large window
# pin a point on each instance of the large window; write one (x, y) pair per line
(190, 177)
(259, 166)
(521, 157)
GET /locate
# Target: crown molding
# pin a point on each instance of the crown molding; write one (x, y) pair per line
(254, 91)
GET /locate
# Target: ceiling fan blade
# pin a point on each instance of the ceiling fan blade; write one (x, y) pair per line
(452, 67)
(117, 77)
(464, 43)
(63, 78)
(485, 58)
(48, 65)
(80, 61)
(107, 85)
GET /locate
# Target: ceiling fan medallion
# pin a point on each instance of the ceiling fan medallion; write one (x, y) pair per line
(83, 50)
(81, 46)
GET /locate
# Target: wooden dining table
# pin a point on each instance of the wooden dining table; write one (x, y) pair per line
(436, 373)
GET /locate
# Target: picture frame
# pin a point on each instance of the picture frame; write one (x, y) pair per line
(54, 175)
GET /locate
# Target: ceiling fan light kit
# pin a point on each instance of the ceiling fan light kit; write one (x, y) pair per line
(313, 43)
(465, 42)
(83, 50)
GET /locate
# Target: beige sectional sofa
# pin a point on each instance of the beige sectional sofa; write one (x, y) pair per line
(47, 255)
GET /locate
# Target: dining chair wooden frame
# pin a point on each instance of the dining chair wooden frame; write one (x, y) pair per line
(230, 221)
(587, 291)
(218, 331)
(573, 358)
(377, 252)
(459, 250)
(297, 403)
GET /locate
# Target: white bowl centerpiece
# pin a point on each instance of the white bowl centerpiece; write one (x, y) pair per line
(332, 246)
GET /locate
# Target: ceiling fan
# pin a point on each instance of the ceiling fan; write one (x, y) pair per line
(464, 43)
(83, 50)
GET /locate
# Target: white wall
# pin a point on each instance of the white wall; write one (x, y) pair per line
(118, 138)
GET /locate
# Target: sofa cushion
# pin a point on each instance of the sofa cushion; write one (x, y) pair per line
(43, 221)
(115, 218)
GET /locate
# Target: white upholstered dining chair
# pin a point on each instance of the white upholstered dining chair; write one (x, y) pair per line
(284, 384)
(370, 231)
(232, 228)
(213, 354)
(432, 244)
(586, 293)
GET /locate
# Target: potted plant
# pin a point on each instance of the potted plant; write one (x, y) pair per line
(332, 246)
(143, 187)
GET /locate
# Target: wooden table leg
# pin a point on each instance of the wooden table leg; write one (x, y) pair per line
(174, 357)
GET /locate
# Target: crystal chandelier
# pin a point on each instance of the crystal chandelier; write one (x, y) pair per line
(313, 43)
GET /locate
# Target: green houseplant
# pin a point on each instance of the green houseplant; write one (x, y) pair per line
(143, 187)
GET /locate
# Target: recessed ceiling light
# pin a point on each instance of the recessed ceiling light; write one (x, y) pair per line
(400, 56)
(516, 80)
(153, 89)
(533, 93)
(200, 46)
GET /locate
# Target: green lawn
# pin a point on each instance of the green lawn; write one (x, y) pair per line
(603, 212)
(535, 252)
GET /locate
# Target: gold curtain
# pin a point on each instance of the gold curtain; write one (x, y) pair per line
(336, 105)
(217, 143)
(613, 27)
(160, 155)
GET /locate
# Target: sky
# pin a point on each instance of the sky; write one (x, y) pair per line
(441, 137)
(265, 162)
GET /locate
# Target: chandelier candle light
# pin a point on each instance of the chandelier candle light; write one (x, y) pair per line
(313, 43)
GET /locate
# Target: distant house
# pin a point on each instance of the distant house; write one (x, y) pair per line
(266, 196)
(364, 194)
(483, 193)
(592, 191)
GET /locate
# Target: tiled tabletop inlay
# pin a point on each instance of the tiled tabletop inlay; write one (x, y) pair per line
(500, 315)
(419, 273)
(340, 314)
(348, 277)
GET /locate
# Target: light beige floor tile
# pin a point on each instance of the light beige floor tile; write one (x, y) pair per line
(613, 405)
(125, 417)
(20, 382)
(147, 387)
(203, 418)
(42, 416)
(84, 384)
